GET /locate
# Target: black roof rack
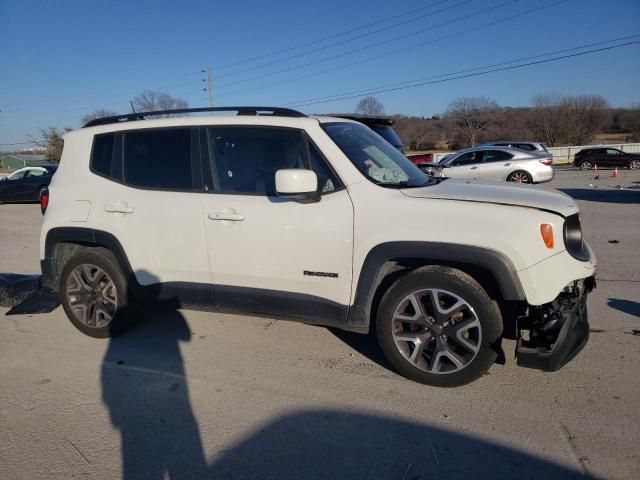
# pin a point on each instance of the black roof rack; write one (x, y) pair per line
(274, 111)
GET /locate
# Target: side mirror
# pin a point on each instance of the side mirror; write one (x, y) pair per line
(297, 184)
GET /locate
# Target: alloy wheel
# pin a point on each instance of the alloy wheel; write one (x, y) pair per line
(585, 166)
(519, 177)
(634, 164)
(91, 295)
(436, 331)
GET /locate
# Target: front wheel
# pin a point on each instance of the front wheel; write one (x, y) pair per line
(437, 326)
(94, 294)
(519, 176)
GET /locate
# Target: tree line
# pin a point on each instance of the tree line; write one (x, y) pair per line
(552, 119)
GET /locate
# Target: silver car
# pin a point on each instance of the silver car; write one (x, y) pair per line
(495, 163)
(533, 147)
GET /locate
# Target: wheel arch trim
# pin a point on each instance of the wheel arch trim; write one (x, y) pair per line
(88, 237)
(380, 260)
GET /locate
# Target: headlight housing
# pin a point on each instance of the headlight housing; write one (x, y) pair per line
(573, 241)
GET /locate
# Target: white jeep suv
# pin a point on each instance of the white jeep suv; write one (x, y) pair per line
(269, 212)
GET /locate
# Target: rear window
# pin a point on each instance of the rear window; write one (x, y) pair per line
(158, 158)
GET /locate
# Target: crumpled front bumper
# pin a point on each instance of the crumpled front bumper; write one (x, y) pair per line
(558, 331)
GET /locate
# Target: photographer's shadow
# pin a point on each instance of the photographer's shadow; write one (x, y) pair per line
(146, 393)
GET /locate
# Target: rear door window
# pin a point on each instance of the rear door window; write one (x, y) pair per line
(158, 159)
(495, 156)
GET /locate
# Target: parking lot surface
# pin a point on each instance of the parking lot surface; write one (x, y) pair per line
(202, 395)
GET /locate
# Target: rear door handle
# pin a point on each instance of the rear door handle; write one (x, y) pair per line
(234, 217)
(473, 168)
(118, 208)
(506, 164)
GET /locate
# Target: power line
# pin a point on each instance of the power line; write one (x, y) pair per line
(401, 50)
(342, 42)
(302, 103)
(320, 40)
(466, 70)
(377, 44)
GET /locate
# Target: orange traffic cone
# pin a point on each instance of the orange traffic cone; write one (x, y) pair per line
(616, 173)
(595, 167)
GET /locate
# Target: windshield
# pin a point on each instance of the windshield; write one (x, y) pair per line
(376, 158)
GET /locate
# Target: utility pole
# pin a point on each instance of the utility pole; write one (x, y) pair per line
(210, 86)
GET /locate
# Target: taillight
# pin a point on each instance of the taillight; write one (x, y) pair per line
(44, 201)
(548, 162)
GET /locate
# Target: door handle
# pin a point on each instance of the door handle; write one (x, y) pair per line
(473, 168)
(118, 208)
(506, 164)
(234, 217)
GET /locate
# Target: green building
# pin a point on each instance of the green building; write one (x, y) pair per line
(13, 162)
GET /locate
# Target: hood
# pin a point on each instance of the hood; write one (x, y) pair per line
(501, 193)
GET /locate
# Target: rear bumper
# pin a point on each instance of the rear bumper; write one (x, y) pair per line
(558, 331)
(542, 176)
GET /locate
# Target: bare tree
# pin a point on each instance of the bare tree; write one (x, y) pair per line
(470, 116)
(370, 106)
(546, 122)
(51, 139)
(151, 101)
(100, 113)
(630, 121)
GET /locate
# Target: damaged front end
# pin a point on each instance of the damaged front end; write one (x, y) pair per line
(553, 334)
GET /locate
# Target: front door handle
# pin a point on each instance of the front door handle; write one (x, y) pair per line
(234, 217)
(118, 208)
(506, 164)
(473, 168)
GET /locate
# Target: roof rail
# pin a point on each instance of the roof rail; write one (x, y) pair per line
(275, 111)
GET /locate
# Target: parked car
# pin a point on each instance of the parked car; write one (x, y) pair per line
(495, 163)
(351, 233)
(382, 126)
(533, 147)
(421, 160)
(587, 158)
(26, 184)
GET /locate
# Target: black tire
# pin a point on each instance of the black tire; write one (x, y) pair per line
(585, 165)
(102, 258)
(519, 176)
(459, 283)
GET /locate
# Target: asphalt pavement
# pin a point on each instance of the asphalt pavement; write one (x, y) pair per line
(201, 395)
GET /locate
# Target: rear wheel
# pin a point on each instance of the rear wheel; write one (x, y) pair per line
(438, 326)
(585, 165)
(634, 164)
(94, 294)
(519, 176)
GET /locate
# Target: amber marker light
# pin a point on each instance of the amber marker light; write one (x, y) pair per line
(546, 230)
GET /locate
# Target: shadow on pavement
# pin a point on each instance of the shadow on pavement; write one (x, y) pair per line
(604, 195)
(146, 391)
(366, 345)
(626, 306)
(330, 444)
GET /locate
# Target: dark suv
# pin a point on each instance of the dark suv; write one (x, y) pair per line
(382, 126)
(606, 157)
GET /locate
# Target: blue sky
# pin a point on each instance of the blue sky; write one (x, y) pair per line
(62, 59)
